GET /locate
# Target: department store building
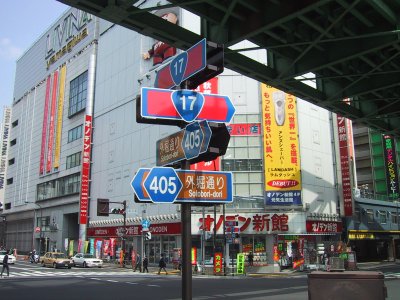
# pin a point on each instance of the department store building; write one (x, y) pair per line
(74, 139)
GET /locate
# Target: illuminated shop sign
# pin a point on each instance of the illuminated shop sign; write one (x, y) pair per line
(66, 34)
(392, 176)
(323, 227)
(361, 236)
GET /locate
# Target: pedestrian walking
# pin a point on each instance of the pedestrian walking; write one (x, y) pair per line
(138, 263)
(5, 266)
(145, 263)
(162, 265)
(250, 258)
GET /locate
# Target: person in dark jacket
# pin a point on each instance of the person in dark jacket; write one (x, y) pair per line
(145, 264)
(5, 266)
(162, 265)
(138, 263)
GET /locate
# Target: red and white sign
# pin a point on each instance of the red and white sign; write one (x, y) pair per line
(52, 122)
(345, 166)
(208, 87)
(37, 229)
(247, 223)
(213, 165)
(244, 129)
(134, 230)
(87, 147)
(44, 126)
(324, 226)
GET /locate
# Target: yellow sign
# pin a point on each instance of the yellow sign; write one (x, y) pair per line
(361, 236)
(61, 93)
(281, 142)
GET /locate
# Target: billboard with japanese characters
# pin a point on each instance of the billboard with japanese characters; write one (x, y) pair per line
(250, 223)
(281, 147)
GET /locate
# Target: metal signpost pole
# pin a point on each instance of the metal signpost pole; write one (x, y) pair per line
(203, 240)
(186, 246)
(142, 242)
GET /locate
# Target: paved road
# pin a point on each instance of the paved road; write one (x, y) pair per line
(79, 283)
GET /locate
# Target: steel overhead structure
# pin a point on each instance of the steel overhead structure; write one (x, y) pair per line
(349, 49)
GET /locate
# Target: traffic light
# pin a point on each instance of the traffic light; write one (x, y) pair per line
(147, 235)
(103, 207)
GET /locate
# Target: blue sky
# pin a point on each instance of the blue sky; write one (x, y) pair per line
(22, 22)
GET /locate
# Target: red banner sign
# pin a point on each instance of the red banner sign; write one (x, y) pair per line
(345, 166)
(218, 263)
(134, 230)
(244, 129)
(87, 147)
(44, 126)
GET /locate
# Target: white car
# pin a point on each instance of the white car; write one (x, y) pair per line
(11, 258)
(86, 260)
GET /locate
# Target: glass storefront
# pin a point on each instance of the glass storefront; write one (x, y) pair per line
(158, 245)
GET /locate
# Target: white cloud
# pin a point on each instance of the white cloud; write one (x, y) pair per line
(8, 51)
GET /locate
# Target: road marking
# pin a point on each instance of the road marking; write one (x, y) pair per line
(109, 280)
(153, 285)
(131, 282)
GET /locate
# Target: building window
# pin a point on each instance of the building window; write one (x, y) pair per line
(14, 124)
(7, 205)
(64, 186)
(370, 215)
(382, 217)
(357, 215)
(242, 165)
(13, 142)
(43, 223)
(73, 160)
(395, 217)
(78, 94)
(10, 180)
(11, 161)
(75, 133)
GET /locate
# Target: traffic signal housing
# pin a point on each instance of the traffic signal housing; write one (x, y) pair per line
(103, 207)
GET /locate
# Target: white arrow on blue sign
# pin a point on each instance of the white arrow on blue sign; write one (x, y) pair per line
(145, 223)
(205, 128)
(192, 140)
(163, 185)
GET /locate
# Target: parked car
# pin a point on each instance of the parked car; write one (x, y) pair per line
(56, 260)
(86, 260)
(11, 258)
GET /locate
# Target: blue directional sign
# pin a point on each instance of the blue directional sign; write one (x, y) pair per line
(188, 104)
(185, 105)
(145, 223)
(162, 185)
(205, 128)
(178, 67)
(192, 140)
(137, 184)
(183, 66)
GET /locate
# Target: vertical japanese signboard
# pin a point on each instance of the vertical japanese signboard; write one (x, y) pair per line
(49, 162)
(218, 263)
(281, 148)
(345, 166)
(44, 126)
(392, 176)
(84, 196)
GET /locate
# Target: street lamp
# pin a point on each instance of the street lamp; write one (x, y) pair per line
(41, 223)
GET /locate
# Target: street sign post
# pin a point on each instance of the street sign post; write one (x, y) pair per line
(194, 143)
(183, 66)
(164, 185)
(183, 105)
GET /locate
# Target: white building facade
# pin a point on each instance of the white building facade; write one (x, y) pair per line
(84, 66)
